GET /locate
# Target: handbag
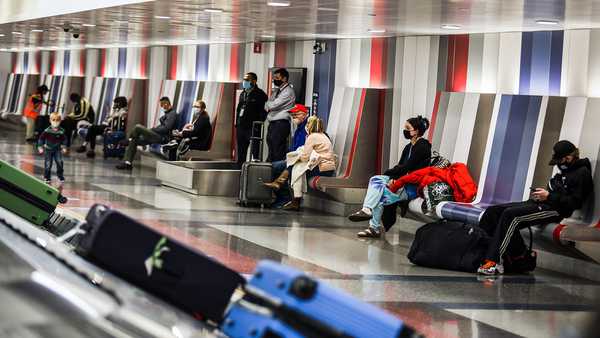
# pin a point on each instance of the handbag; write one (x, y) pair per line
(435, 193)
(439, 161)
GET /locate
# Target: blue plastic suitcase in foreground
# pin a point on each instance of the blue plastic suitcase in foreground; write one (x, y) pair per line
(283, 302)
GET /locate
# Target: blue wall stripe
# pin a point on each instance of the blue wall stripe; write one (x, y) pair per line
(109, 96)
(324, 79)
(556, 62)
(540, 62)
(67, 62)
(122, 66)
(525, 73)
(184, 108)
(202, 54)
(25, 62)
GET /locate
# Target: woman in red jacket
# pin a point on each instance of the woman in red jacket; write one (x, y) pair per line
(416, 155)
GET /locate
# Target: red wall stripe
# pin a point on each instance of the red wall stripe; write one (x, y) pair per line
(13, 60)
(380, 132)
(233, 62)
(82, 61)
(280, 54)
(378, 62)
(361, 107)
(103, 63)
(52, 62)
(143, 61)
(458, 56)
(436, 107)
(173, 65)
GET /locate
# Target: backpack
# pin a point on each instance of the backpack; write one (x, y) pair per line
(449, 245)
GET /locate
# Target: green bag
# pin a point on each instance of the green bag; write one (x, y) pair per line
(27, 196)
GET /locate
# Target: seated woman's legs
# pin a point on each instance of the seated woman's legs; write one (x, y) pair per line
(280, 174)
(377, 185)
(381, 210)
(298, 187)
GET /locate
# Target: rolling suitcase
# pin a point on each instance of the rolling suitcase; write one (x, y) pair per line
(112, 146)
(27, 196)
(284, 302)
(158, 264)
(252, 190)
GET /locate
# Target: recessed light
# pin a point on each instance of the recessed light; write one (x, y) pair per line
(17, 33)
(37, 30)
(546, 22)
(266, 36)
(326, 9)
(448, 26)
(376, 30)
(278, 4)
(2, 35)
(162, 17)
(213, 10)
(88, 25)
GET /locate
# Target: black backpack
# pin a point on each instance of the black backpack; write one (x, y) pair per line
(449, 245)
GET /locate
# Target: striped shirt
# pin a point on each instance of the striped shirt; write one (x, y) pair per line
(51, 139)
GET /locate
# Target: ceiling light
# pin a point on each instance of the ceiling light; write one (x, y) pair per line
(213, 10)
(451, 26)
(2, 35)
(546, 22)
(376, 30)
(162, 17)
(266, 36)
(37, 30)
(326, 9)
(17, 33)
(278, 4)
(88, 25)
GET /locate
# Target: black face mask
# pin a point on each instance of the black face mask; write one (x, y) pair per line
(278, 83)
(407, 134)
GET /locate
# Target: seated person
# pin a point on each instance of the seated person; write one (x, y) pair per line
(280, 187)
(316, 158)
(115, 122)
(141, 135)
(565, 193)
(415, 155)
(82, 111)
(195, 135)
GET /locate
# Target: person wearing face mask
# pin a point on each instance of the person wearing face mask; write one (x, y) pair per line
(141, 135)
(194, 135)
(251, 108)
(115, 122)
(278, 106)
(51, 143)
(564, 193)
(379, 200)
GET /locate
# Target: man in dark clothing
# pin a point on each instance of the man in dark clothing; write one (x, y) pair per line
(141, 135)
(251, 108)
(82, 111)
(565, 193)
(195, 135)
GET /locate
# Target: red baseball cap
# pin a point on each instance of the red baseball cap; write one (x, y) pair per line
(299, 108)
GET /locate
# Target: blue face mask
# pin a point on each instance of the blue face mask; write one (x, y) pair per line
(246, 84)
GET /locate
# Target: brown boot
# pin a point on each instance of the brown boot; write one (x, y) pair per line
(279, 181)
(293, 205)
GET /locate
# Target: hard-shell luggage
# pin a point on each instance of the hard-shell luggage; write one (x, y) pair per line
(283, 302)
(113, 146)
(256, 140)
(172, 271)
(449, 245)
(252, 190)
(27, 196)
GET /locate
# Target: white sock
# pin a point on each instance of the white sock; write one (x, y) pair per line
(367, 211)
(127, 162)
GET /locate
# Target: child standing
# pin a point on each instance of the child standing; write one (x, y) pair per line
(51, 142)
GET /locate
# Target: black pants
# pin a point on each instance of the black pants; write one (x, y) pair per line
(243, 135)
(390, 212)
(277, 140)
(69, 125)
(93, 132)
(503, 222)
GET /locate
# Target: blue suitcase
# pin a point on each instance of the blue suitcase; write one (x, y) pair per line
(113, 146)
(283, 302)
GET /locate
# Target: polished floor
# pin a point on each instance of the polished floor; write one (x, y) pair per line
(437, 303)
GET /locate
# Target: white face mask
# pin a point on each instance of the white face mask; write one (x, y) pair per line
(55, 124)
(195, 110)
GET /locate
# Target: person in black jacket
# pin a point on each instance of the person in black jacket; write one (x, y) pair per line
(251, 108)
(195, 135)
(82, 111)
(565, 193)
(141, 135)
(415, 155)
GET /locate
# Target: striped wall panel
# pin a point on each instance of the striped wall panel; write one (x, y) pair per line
(297, 54)
(27, 62)
(260, 63)
(540, 64)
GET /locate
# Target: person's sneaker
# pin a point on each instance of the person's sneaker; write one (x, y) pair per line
(124, 166)
(48, 182)
(81, 149)
(490, 268)
(90, 154)
(370, 233)
(360, 216)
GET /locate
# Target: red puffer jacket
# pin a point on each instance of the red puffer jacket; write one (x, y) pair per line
(456, 176)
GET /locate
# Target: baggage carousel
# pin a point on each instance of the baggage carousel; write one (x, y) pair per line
(207, 178)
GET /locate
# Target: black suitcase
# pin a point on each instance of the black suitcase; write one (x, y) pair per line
(449, 245)
(160, 265)
(252, 190)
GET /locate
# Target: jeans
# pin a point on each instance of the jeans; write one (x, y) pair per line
(140, 136)
(51, 156)
(378, 196)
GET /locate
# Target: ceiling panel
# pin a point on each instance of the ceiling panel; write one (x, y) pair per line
(179, 22)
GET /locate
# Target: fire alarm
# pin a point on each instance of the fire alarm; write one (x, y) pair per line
(257, 47)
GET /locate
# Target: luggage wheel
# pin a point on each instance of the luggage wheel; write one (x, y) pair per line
(62, 199)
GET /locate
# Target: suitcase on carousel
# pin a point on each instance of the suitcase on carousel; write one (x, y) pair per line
(27, 196)
(252, 190)
(162, 266)
(283, 302)
(113, 146)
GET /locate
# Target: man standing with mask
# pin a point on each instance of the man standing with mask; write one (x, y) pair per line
(281, 101)
(565, 193)
(251, 108)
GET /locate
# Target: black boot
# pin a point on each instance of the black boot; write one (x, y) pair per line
(403, 208)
